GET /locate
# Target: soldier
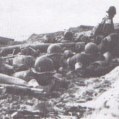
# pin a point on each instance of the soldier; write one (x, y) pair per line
(83, 59)
(100, 67)
(54, 52)
(43, 64)
(43, 70)
(91, 49)
(110, 44)
(106, 27)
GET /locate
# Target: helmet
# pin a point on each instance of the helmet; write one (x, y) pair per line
(68, 35)
(91, 48)
(54, 48)
(112, 10)
(68, 53)
(43, 64)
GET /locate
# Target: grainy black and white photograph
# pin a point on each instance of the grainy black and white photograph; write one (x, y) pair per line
(59, 59)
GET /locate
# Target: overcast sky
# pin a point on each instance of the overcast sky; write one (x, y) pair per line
(20, 18)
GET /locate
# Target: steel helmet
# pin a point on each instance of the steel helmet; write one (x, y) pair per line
(44, 64)
(68, 53)
(54, 48)
(68, 35)
(112, 10)
(91, 48)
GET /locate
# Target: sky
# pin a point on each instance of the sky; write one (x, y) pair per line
(21, 18)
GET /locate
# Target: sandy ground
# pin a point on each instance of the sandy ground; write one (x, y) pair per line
(103, 94)
(92, 98)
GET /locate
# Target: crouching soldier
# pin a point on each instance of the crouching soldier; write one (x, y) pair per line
(78, 63)
(106, 27)
(43, 70)
(84, 58)
(110, 44)
(100, 67)
(55, 52)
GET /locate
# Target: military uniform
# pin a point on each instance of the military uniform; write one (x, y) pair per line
(110, 44)
(105, 28)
